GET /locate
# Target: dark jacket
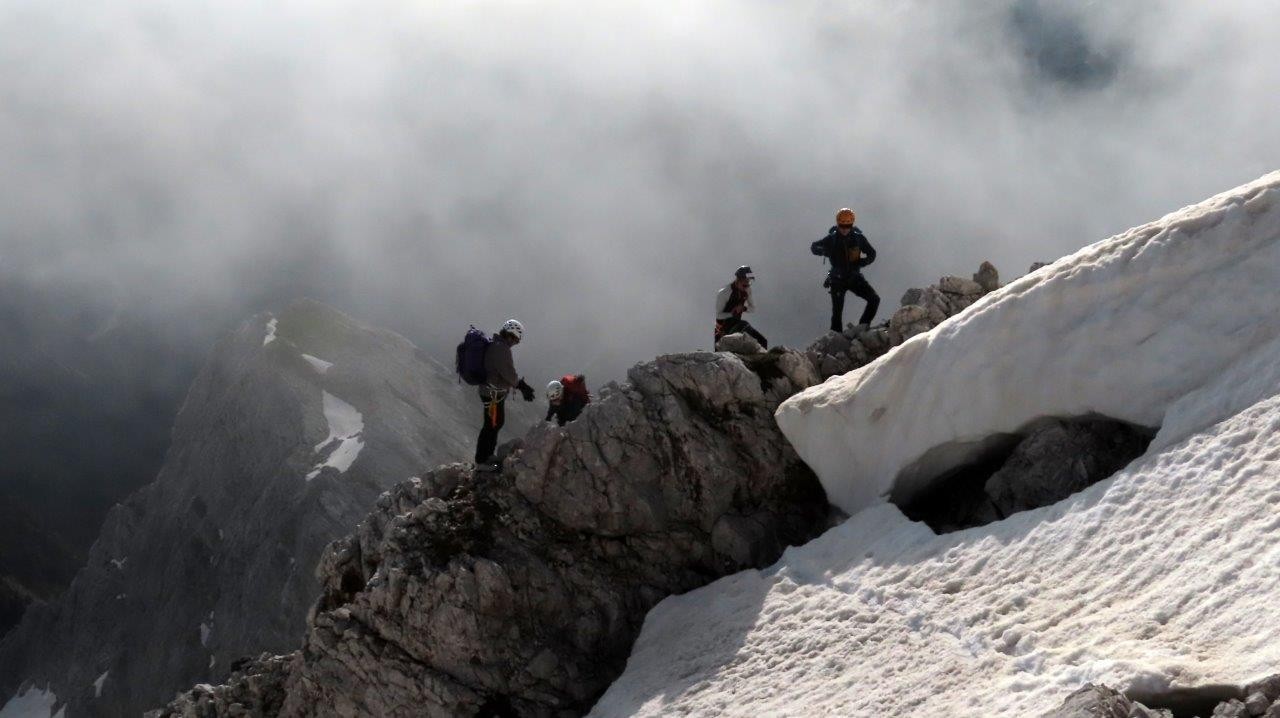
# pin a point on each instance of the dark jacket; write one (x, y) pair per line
(848, 253)
(567, 410)
(500, 366)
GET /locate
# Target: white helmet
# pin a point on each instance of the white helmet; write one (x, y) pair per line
(555, 390)
(514, 328)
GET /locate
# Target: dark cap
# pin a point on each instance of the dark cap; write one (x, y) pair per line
(744, 271)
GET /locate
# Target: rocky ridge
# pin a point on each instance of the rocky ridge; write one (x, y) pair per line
(521, 593)
(921, 310)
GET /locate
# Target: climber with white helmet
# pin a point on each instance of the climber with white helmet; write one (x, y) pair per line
(566, 398)
(849, 251)
(734, 300)
(500, 379)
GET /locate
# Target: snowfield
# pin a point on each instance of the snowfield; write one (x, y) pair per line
(1163, 576)
(32, 702)
(346, 426)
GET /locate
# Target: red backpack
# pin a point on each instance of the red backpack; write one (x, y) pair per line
(575, 386)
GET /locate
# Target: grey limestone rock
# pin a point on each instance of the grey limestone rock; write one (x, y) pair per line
(987, 277)
(1269, 687)
(922, 310)
(961, 286)
(214, 560)
(1093, 701)
(1231, 709)
(1257, 703)
(254, 688)
(1059, 458)
(739, 344)
(520, 593)
(908, 322)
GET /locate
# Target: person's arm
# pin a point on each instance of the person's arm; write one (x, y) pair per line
(868, 252)
(551, 411)
(819, 248)
(750, 305)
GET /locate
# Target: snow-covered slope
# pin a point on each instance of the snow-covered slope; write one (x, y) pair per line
(1124, 328)
(1164, 575)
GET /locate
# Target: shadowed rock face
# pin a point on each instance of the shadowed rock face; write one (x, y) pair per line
(214, 559)
(1260, 698)
(522, 592)
(1054, 459)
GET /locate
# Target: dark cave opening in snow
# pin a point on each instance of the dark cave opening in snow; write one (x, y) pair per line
(1047, 461)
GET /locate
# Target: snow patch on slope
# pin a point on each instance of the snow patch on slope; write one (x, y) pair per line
(1124, 328)
(272, 325)
(1162, 576)
(32, 703)
(206, 630)
(346, 425)
(321, 366)
(97, 684)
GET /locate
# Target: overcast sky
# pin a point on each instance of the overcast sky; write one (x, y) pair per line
(599, 169)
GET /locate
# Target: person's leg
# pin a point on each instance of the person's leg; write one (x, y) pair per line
(488, 435)
(859, 286)
(725, 327)
(751, 331)
(837, 306)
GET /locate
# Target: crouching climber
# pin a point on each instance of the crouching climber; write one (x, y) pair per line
(500, 378)
(566, 398)
(849, 251)
(732, 302)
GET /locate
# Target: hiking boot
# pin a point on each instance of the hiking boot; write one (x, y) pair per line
(488, 467)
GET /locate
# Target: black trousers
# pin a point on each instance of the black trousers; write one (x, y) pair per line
(495, 415)
(857, 284)
(734, 325)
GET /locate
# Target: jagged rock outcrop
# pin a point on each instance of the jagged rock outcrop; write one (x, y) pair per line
(1260, 699)
(1093, 701)
(1059, 458)
(739, 344)
(254, 688)
(922, 309)
(290, 433)
(521, 593)
(1049, 461)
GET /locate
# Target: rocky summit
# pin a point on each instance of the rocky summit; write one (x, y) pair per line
(521, 592)
(291, 431)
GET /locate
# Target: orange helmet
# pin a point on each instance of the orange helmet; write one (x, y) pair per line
(845, 216)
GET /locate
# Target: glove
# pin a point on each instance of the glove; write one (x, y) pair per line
(526, 391)
(826, 283)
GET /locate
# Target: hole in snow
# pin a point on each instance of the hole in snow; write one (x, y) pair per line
(1044, 463)
(1186, 702)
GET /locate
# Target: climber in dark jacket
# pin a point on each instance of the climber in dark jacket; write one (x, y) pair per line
(849, 251)
(500, 370)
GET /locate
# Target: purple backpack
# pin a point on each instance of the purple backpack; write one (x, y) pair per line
(470, 359)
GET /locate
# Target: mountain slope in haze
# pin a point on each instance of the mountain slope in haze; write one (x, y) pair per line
(1159, 581)
(292, 429)
(80, 427)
